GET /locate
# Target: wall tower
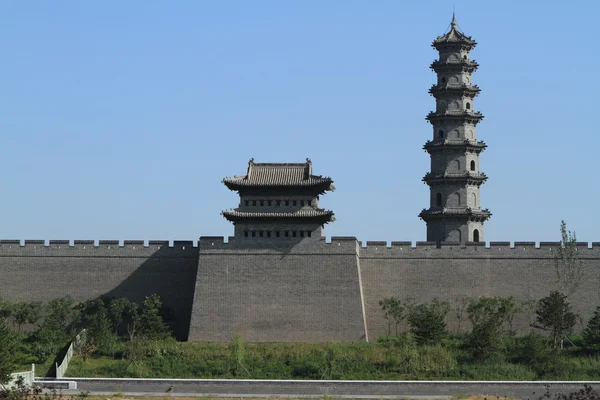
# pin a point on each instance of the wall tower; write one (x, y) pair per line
(454, 214)
(278, 203)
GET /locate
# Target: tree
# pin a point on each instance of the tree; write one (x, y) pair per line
(6, 310)
(61, 316)
(427, 321)
(568, 266)
(26, 313)
(99, 330)
(489, 317)
(554, 314)
(150, 321)
(8, 355)
(393, 311)
(591, 333)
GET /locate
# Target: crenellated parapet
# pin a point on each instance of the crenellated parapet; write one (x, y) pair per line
(457, 250)
(97, 248)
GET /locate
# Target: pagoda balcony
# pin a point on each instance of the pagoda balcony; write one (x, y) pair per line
(462, 177)
(468, 145)
(468, 116)
(454, 65)
(455, 213)
(458, 89)
(303, 214)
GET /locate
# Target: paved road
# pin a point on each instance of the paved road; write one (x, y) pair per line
(354, 389)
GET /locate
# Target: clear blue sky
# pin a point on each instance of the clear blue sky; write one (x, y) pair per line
(120, 118)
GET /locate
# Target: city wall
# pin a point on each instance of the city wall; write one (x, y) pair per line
(309, 291)
(35, 270)
(457, 273)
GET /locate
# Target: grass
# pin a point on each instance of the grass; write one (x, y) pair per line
(352, 361)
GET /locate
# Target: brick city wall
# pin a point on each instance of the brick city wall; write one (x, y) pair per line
(457, 273)
(308, 291)
(84, 271)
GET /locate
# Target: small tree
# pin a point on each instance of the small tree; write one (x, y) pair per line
(6, 310)
(591, 333)
(150, 321)
(427, 321)
(393, 312)
(554, 314)
(8, 355)
(568, 266)
(26, 313)
(489, 317)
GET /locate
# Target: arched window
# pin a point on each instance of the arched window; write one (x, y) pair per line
(476, 235)
(468, 106)
(465, 57)
(440, 134)
(472, 165)
(438, 200)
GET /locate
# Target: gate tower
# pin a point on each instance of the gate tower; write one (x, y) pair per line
(454, 214)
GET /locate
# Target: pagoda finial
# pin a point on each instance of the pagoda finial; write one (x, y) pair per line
(453, 24)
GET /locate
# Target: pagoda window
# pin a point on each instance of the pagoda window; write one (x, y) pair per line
(294, 203)
(472, 165)
(438, 200)
(262, 203)
(468, 106)
(293, 233)
(260, 233)
(276, 233)
(287, 202)
(253, 233)
(476, 235)
(309, 233)
(440, 134)
(443, 79)
(465, 57)
(278, 203)
(253, 202)
(247, 203)
(246, 233)
(269, 203)
(287, 233)
(302, 202)
(268, 233)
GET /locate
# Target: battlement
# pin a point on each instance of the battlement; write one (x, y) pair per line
(336, 245)
(405, 249)
(98, 248)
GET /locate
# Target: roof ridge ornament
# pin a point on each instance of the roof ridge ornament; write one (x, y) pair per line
(453, 24)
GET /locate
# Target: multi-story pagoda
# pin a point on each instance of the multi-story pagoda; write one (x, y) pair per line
(455, 214)
(278, 203)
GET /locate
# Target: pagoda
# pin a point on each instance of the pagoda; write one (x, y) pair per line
(278, 203)
(454, 214)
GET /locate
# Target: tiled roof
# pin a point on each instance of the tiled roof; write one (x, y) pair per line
(454, 35)
(279, 174)
(302, 213)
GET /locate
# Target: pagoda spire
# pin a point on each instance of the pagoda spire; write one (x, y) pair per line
(454, 213)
